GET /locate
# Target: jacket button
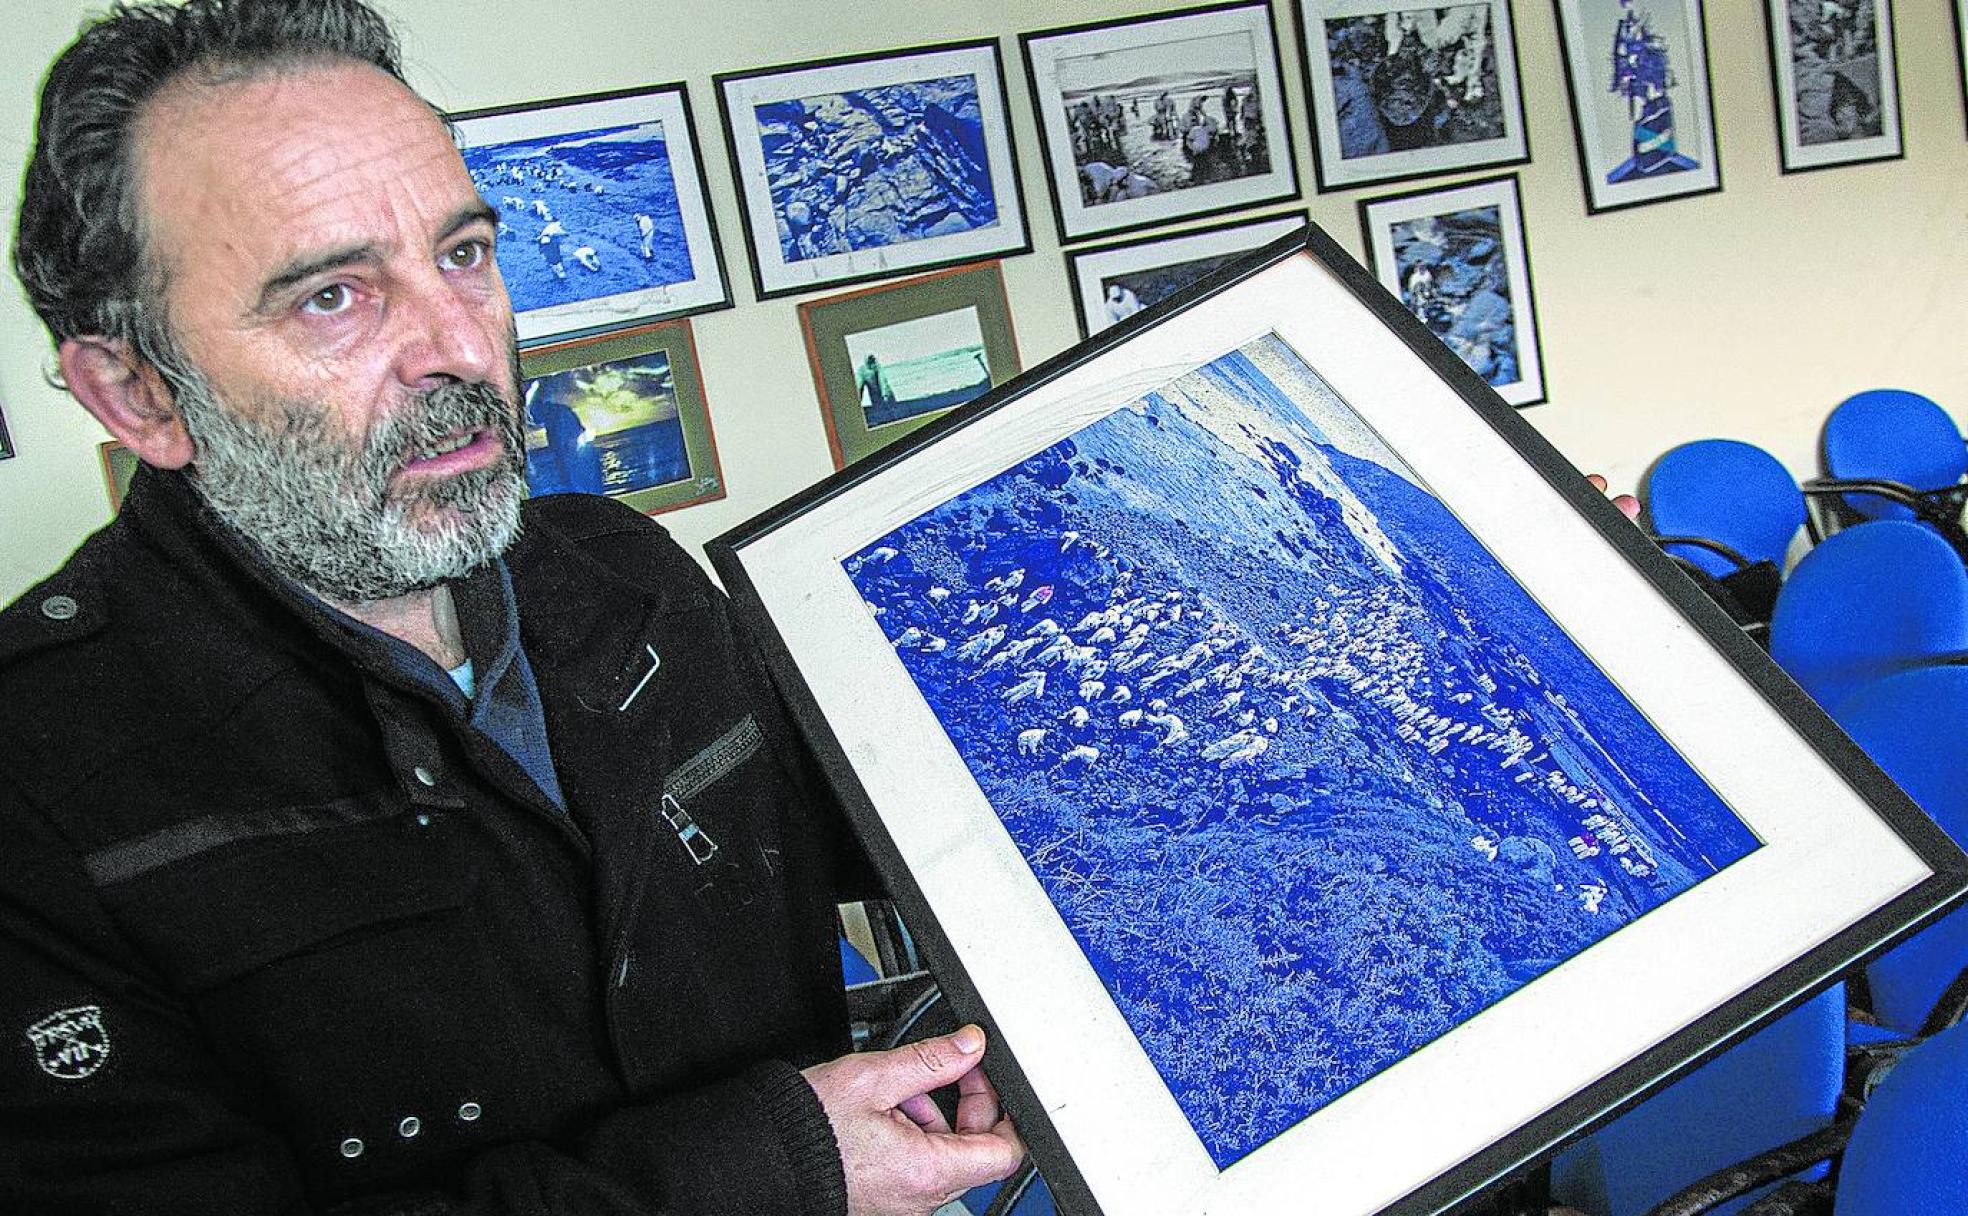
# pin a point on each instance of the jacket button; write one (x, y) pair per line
(423, 819)
(470, 1112)
(410, 1126)
(60, 608)
(424, 776)
(351, 1148)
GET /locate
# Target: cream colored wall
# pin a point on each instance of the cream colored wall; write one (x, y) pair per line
(1746, 314)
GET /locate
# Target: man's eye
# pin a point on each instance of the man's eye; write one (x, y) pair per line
(329, 300)
(466, 256)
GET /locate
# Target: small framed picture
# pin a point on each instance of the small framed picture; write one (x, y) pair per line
(624, 415)
(603, 217)
(1145, 120)
(1961, 48)
(1457, 259)
(1638, 75)
(119, 465)
(869, 166)
(1837, 83)
(888, 360)
(6, 441)
(1301, 771)
(1399, 91)
(1114, 282)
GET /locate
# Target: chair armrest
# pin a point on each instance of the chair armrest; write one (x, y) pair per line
(1737, 1180)
(1702, 542)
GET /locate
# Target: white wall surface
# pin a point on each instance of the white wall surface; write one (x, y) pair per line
(1746, 314)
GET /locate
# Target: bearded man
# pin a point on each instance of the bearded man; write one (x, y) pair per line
(376, 840)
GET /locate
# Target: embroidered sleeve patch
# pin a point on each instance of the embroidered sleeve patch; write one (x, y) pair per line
(71, 1044)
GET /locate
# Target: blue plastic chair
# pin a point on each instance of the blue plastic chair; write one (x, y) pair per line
(1915, 726)
(1907, 1150)
(1867, 603)
(1890, 434)
(1775, 1086)
(1733, 501)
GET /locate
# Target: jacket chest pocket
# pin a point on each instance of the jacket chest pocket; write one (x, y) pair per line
(331, 957)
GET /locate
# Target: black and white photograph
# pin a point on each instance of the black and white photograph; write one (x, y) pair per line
(890, 359)
(1457, 259)
(603, 217)
(1837, 83)
(1116, 281)
(1244, 713)
(1399, 91)
(864, 167)
(1638, 75)
(1148, 120)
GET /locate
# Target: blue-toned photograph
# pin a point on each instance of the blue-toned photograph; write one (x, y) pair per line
(874, 167)
(1646, 82)
(1455, 275)
(1130, 291)
(920, 366)
(1414, 78)
(584, 215)
(608, 429)
(1308, 776)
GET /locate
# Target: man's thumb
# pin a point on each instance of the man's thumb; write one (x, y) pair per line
(917, 1068)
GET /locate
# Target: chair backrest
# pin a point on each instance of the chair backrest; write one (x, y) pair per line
(1893, 435)
(1907, 1150)
(1915, 726)
(1867, 603)
(1780, 1083)
(1728, 491)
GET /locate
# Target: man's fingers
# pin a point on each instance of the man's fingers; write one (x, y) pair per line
(917, 1068)
(977, 1102)
(922, 1111)
(973, 1159)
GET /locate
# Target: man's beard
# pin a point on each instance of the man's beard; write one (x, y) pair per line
(319, 508)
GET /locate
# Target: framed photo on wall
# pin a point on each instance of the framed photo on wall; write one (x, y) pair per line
(1114, 282)
(119, 465)
(1837, 82)
(1646, 131)
(1961, 49)
(1457, 259)
(1401, 91)
(6, 441)
(870, 166)
(1300, 770)
(1145, 120)
(888, 360)
(603, 217)
(622, 414)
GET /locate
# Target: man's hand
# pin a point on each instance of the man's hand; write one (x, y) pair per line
(1629, 505)
(901, 1155)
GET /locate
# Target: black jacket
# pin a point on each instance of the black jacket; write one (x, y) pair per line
(279, 931)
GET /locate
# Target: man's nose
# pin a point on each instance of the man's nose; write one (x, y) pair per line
(446, 336)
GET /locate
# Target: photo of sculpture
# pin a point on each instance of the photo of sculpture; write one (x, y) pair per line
(1834, 57)
(1148, 120)
(612, 428)
(1414, 78)
(584, 215)
(874, 167)
(916, 367)
(1637, 117)
(1455, 275)
(1307, 775)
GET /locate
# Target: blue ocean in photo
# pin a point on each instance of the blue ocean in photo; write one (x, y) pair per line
(1307, 775)
(562, 194)
(1455, 276)
(608, 429)
(875, 167)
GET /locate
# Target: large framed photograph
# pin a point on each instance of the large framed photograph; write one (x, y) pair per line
(870, 166)
(1457, 259)
(1836, 80)
(623, 415)
(1300, 770)
(1639, 81)
(1399, 91)
(1146, 120)
(603, 217)
(1115, 281)
(889, 360)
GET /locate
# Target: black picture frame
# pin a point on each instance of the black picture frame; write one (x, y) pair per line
(6, 441)
(1078, 217)
(1510, 146)
(554, 302)
(1960, 12)
(1197, 250)
(825, 253)
(1602, 126)
(1844, 65)
(1527, 387)
(1096, 1158)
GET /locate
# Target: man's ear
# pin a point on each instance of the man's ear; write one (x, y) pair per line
(128, 396)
